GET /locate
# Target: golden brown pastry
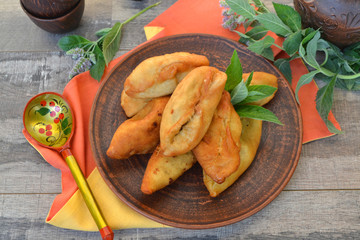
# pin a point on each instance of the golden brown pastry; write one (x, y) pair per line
(131, 105)
(218, 151)
(188, 114)
(262, 78)
(249, 140)
(158, 76)
(139, 134)
(161, 171)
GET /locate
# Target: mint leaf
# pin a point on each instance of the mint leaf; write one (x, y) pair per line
(289, 16)
(242, 7)
(102, 32)
(262, 47)
(324, 101)
(304, 79)
(311, 50)
(111, 42)
(249, 79)
(74, 41)
(292, 43)
(234, 72)
(272, 22)
(239, 93)
(283, 64)
(97, 70)
(256, 112)
(257, 32)
(258, 92)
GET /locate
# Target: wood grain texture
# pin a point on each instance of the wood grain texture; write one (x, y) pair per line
(314, 205)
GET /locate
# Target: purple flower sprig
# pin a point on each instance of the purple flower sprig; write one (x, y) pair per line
(231, 20)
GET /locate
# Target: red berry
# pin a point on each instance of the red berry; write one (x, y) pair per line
(48, 133)
(57, 108)
(56, 120)
(48, 127)
(41, 130)
(51, 104)
(61, 116)
(43, 103)
(52, 114)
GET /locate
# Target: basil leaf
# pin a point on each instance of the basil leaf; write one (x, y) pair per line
(111, 42)
(74, 41)
(242, 7)
(97, 70)
(256, 112)
(283, 64)
(289, 16)
(234, 72)
(239, 93)
(102, 32)
(292, 43)
(272, 22)
(304, 79)
(258, 92)
(257, 32)
(324, 101)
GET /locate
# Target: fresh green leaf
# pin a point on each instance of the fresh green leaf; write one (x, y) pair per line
(292, 43)
(272, 22)
(111, 42)
(258, 92)
(239, 93)
(65, 123)
(234, 72)
(289, 16)
(268, 53)
(43, 111)
(256, 112)
(97, 70)
(249, 79)
(262, 47)
(283, 64)
(324, 101)
(311, 50)
(74, 41)
(304, 79)
(257, 32)
(102, 32)
(242, 7)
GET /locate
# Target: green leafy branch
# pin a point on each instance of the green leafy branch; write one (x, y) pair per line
(95, 55)
(340, 68)
(243, 95)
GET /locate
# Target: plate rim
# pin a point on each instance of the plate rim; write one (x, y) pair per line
(170, 222)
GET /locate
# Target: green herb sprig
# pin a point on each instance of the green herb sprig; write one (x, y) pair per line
(95, 55)
(341, 68)
(243, 94)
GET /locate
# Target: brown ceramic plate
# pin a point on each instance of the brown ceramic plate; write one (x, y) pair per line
(186, 203)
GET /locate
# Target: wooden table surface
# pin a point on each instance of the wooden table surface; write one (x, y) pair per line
(321, 201)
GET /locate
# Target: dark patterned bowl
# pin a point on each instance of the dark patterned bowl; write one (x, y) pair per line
(339, 20)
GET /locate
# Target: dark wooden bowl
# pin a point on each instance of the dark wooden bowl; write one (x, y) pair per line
(339, 21)
(186, 202)
(49, 8)
(61, 24)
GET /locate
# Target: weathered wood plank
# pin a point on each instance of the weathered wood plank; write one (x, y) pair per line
(293, 215)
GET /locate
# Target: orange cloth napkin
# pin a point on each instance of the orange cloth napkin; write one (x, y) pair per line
(185, 16)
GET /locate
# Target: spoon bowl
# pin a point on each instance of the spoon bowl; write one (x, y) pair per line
(48, 119)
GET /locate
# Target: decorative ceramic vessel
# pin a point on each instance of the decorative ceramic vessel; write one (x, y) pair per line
(62, 24)
(49, 8)
(339, 20)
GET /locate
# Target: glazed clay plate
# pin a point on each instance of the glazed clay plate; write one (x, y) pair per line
(186, 203)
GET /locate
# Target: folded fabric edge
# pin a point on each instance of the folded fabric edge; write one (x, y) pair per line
(75, 215)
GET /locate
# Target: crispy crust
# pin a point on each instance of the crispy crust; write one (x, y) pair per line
(131, 105)
(140, 134)
(161, 170)
(218, 151)
(188, 114)
(159, 76)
